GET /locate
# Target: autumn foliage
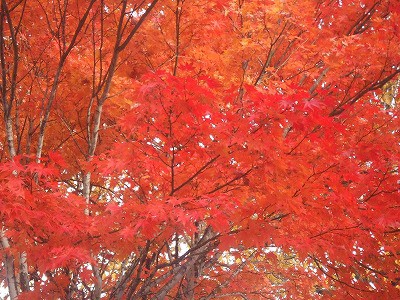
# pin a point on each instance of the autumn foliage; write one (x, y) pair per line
(200, 149)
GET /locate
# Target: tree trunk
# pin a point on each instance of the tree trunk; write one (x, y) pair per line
(9, 264)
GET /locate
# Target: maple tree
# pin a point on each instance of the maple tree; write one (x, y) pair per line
(194, 149)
